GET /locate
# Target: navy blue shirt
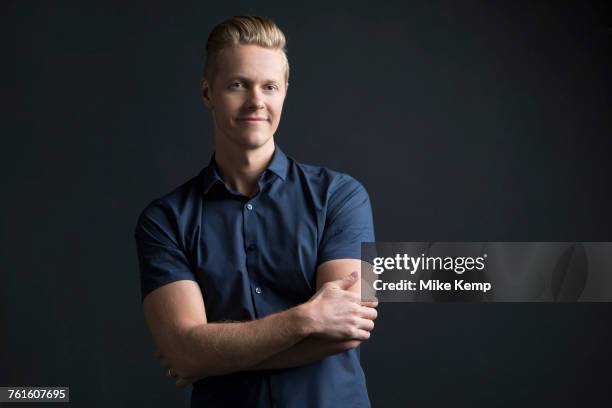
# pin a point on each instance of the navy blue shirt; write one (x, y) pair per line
(255, 256)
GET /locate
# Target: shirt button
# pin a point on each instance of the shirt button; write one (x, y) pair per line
(251, 247)
(258, 290)
(249, 206)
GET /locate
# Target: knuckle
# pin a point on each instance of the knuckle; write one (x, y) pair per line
(367, 313)
(326, 286)
(349, 295)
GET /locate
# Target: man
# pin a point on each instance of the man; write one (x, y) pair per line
(250, 270)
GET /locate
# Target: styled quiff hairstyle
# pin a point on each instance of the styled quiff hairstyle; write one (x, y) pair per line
(243, 30)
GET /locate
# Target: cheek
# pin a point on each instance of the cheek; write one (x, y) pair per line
(277, 108)
(226, 110)
(227, 104)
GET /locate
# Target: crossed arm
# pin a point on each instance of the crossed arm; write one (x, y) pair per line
(332, 321)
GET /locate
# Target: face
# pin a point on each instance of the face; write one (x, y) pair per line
(246, 98)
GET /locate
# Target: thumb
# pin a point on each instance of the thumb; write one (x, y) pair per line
(348, 281)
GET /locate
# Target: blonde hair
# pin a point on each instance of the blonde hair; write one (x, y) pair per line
(243, 30)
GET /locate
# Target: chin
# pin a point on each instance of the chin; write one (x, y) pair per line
(252, 140)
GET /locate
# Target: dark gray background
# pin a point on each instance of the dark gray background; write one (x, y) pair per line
(464, 120)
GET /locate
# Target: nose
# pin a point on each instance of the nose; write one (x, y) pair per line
(255, 99)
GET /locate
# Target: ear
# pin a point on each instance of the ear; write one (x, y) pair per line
(206, 92)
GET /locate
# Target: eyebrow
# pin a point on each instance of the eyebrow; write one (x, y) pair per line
(245, 79)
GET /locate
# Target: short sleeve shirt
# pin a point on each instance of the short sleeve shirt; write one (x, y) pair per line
(253, 256)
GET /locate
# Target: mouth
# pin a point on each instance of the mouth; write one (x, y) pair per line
(252, 120)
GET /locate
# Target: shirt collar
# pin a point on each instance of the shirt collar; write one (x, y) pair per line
(279, 166)
(210, 174)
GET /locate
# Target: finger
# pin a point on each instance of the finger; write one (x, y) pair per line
(369, 313)
(182, 383)
(366, 324)
(369, 303)
(352, 297)
(361, 334)
(170, 373)
(348, 281)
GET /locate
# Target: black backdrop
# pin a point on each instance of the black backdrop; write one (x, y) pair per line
(464, 120)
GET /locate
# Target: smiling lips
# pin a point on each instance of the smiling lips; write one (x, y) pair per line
(252, 120)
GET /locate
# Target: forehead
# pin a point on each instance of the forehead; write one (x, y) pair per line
(251, 61)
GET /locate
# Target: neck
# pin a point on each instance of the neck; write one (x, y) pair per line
(241, 168)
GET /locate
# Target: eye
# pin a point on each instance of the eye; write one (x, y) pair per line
(270, 87)
(236, 85)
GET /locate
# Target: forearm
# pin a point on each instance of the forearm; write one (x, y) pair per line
(221, 348)
(307, 351)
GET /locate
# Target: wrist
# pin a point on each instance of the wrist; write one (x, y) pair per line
(302, 314)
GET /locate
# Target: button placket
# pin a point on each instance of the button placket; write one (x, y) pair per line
(251, 247)
(249, 236)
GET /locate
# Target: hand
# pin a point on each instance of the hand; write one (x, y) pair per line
(179, 381)
(336, 313)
